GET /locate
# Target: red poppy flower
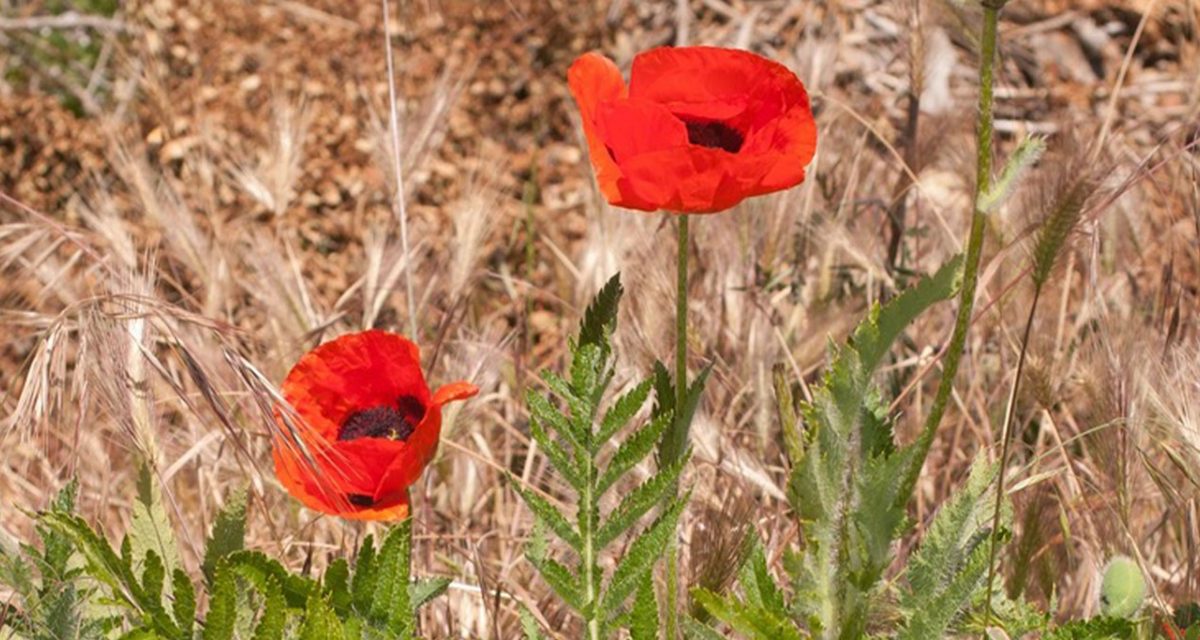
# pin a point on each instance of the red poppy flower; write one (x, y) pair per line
(697, 130)
(366, 426)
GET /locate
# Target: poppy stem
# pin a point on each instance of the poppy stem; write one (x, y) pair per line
(966, 301)
(681, 309)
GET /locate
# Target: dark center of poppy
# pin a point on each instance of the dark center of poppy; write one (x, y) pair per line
(394, 422)
(716, 135)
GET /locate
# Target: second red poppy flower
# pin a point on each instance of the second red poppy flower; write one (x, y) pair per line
(697, 129)
(366, 426)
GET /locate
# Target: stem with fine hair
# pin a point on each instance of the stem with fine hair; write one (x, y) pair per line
(681, 307)
(966, 302)
(681, 394)
(1006, 443)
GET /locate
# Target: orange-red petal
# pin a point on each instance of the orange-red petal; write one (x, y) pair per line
(364, 476)
(640, 139)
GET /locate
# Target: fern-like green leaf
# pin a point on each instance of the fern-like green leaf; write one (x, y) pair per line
(600, 319)
(641, 555)
(222, 606)
(336, 585)
(644, 618)
(639, 502)
(258, 569)
(632, 451)
(228, 533)
(558, 457)
(621, 412)
(549, 516)
(184, 602)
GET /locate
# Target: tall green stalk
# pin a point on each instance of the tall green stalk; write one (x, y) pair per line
(681, 393)
(966, 304)
(681, 306)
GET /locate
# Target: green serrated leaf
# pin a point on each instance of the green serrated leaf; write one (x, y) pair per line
(150, 529)
(558, 457)
(946, 572)
(391, 604)
(843, 486)
(642, 554)
(222, 606)
(426, 589)
(362, 586)
(652, 492)
(184, 604)
(272, 622)
(561, 580)
(153, 575)
(543, 412)
(635, 448)
(600, 319)
(104, 564)
(621, 412)
(758, 585)
(747, 619)
(675, 441)
(548, 515)
(228, 533)
(258, 569)
(336, 585)
(644, 617)
(320, 622)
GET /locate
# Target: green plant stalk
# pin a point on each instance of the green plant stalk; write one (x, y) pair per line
(681, 309)
(1006, 444)
(966, 304)
(591, 568)
(681, 389)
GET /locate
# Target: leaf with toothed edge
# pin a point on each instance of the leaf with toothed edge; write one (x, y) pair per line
(600, 319)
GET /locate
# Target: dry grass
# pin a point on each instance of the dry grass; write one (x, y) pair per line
(230, 209)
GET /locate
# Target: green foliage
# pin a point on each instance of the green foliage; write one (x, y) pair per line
(80, 586)
(1100, 628)
(761, 612)
(947, 571)
(228, 533)
(844, 486)
(573, 441)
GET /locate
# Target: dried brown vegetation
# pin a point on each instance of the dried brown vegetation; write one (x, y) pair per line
(167, 258)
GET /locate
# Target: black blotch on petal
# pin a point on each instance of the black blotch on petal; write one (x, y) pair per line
(360, 500)
(392, 422)
(715, 135)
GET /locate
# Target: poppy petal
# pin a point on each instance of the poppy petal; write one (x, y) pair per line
(594, 80)
(454, 391)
